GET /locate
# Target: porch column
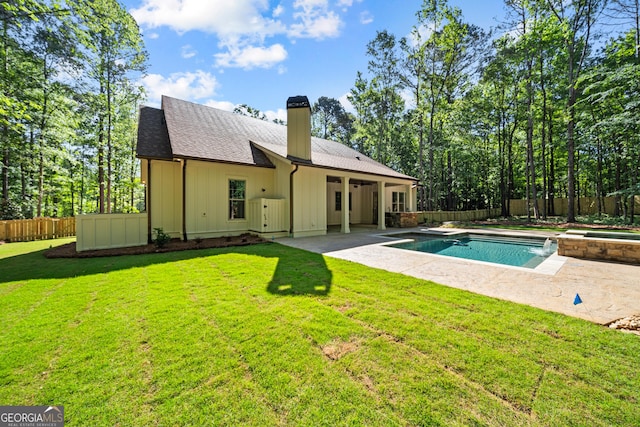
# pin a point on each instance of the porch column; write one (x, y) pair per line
(344, 228)
(381, 206)
(411, 196)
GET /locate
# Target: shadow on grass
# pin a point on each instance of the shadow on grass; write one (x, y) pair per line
(298, 272)
(34, 265)
(302, 273)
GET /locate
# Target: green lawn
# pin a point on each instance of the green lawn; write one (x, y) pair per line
(270, 335)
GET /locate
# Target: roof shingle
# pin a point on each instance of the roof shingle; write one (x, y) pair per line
(200, 132)
(153, 139)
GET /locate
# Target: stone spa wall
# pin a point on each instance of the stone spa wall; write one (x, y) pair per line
(619, 247)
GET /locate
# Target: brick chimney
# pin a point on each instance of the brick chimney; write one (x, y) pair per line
(299, 128)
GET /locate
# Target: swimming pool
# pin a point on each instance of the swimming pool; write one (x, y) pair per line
(526, 252)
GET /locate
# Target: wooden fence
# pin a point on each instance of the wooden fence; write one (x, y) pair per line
(22, 230)
(583, 206)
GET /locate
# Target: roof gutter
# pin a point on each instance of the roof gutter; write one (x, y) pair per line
(184, 199)
(148, 202)
(291, 200)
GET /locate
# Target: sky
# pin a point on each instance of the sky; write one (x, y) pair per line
(224, 53)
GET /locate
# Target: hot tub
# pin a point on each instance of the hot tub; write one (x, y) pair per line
(600, 245)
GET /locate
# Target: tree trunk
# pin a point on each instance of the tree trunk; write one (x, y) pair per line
(6, 153)
(551, 186)
(504, 199)
(450, 201)
(531, 158)
(571, 150)
(431, 195)
(543, 141)
(109, 142)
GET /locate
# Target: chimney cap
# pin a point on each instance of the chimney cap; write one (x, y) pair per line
(298, 102)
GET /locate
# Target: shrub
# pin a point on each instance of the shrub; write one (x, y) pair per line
(162, 238)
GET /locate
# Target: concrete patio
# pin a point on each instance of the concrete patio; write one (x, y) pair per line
(609, 291)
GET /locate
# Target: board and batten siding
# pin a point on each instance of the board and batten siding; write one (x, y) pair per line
(309, 199)
(165, 196)
(105, 231)
(207, 196)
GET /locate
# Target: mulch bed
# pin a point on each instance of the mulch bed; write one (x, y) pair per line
(69, 250)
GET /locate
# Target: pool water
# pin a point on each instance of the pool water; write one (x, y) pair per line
(515, 251)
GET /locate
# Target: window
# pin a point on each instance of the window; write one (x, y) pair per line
(339, 201)
(398, 201)
(237, 191)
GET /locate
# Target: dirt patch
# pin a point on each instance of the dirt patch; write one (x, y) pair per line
(335, 350)
(69, 250)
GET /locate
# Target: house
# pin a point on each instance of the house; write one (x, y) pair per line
(211, 173)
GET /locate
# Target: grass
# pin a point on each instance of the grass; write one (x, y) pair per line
(271, 335)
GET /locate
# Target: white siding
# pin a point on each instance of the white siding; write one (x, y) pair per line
(310, 212)
(104, 231)
(166, 197)
(268, 215)
(207, 196)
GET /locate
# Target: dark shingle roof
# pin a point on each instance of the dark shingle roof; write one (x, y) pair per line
(153, 139)
(201, 132)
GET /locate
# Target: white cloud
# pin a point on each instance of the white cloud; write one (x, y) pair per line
(243, 26)
(196, 85)
(366, 17)
(278, 11)
(213, 16)
(188, 51)
(347, 3)
(221, 105)
(281, 114)
(316, 20)
(419, 35)
(344, 100)
(249, 57)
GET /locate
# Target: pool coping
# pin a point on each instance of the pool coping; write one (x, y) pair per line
(550, 266)
(609, 291)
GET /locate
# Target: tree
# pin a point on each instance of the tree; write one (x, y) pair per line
(15, 65)
(331, 121)
(246, 110)
(383, 93)
(610, 111)
(577, 18)
(439, 57)
(113, 51)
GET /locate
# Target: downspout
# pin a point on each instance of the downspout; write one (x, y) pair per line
(184, 200)
(291, 200)
(148, 201)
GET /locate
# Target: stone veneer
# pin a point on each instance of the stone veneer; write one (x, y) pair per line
(402, 219)
(599, 246)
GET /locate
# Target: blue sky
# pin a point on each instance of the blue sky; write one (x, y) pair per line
(224, 53)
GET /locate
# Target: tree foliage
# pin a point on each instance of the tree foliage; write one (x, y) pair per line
(67, 107)
(532, 112)
(539, 108)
